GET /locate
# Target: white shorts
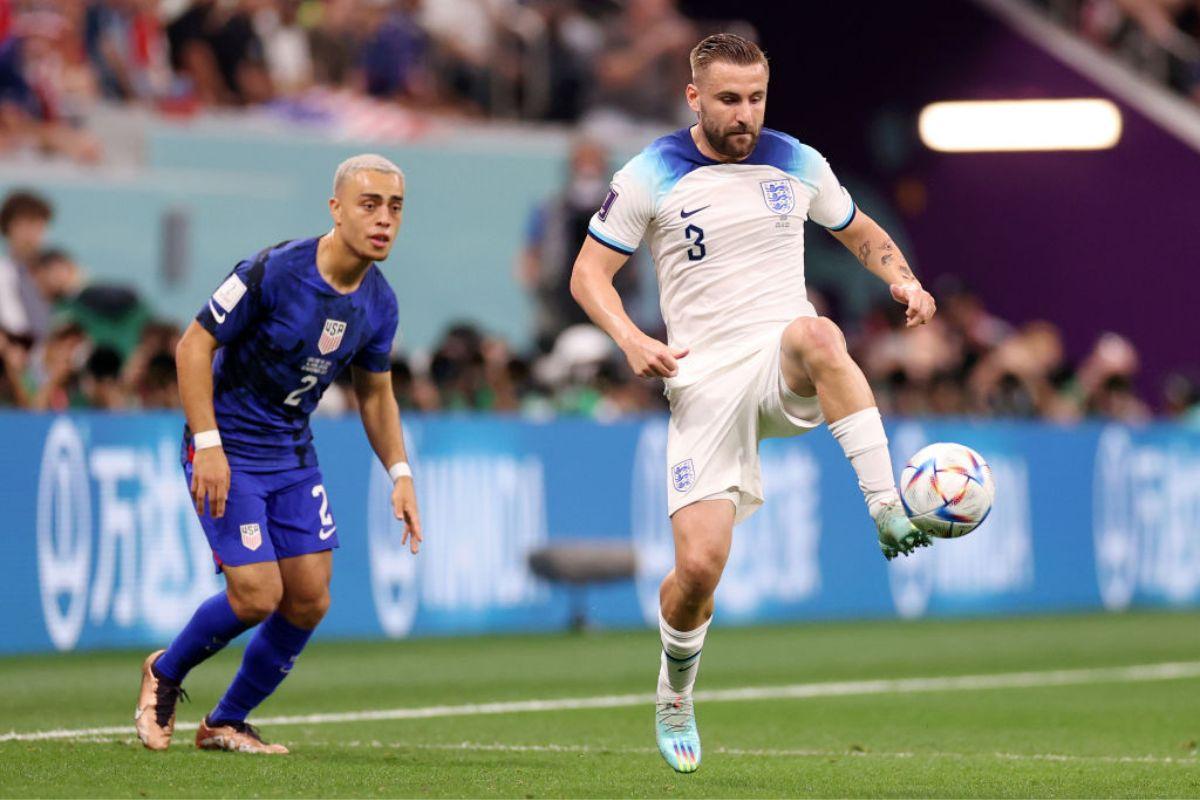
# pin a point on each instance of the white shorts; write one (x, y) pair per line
(717, 423)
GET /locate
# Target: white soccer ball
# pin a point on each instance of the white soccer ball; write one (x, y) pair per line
(947, 489)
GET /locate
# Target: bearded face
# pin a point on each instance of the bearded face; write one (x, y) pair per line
(730, 101)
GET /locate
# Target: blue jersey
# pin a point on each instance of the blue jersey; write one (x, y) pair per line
(285, 333)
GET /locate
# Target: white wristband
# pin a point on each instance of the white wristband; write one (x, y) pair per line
(206, 439)
(399, 470)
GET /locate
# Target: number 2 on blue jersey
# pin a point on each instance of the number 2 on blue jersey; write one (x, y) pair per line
(698, 250)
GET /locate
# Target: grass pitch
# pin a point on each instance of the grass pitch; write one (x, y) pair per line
(852, 725)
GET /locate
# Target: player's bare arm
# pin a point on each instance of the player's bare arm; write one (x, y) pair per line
(194, 363)
(876, 251)
(592, 288)
(381, 420)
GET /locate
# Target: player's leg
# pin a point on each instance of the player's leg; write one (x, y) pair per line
(271, 654)
(253, 589)
(303, 535)
(703, 533)
(814, 361)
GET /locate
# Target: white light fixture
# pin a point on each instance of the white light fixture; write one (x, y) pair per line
(1015, 125)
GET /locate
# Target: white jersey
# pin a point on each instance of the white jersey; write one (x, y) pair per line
(727, 239)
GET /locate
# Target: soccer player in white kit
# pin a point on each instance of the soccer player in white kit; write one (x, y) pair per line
(722, 206)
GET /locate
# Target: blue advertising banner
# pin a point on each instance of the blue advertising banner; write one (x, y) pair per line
(102, 548)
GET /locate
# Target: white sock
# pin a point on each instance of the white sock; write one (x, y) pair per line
(680, 657)
(865, 444)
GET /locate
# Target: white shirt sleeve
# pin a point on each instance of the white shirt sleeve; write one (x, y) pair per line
(628, 209)
(832, 207)
(12, 313)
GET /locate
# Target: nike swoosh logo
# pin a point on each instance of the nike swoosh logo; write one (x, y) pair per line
(685, 669)
(219, 317)
(325, 534)
(685, 214)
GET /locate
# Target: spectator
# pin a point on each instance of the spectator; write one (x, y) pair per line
(413, 391)
(24, 217)
(100, 385)
(457, 369)
(1020, 376)
(286, 46)
(335, 41)
(395, 58)
(572, 41)
(110, 315)
(40, 81)
(464, 34)
(14, 363)
(127, 48)
(1106, 380)
(160, 388)
(552, 238)
(191, 52)
(644, 62)
(56, 369)
(150, 368)
(219, 50)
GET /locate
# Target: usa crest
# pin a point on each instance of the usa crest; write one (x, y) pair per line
(779, 196)
(331, 337)
(683, 475)
(251, 536)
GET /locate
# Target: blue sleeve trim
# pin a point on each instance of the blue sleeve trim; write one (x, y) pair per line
(609, 243)
(849, 219)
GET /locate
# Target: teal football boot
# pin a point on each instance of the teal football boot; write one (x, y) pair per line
(897, 534)
(675, 729)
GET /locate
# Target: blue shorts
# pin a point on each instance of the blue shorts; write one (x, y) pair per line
(269, 516)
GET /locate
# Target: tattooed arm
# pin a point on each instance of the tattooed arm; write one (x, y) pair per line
(877, 252)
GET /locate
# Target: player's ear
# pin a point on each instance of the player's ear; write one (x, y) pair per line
(692, 94)
(335, 209)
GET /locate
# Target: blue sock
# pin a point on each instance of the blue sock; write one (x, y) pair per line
(213, 626)
(269, 657)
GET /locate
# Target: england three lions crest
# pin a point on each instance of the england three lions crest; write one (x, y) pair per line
(779, 196)
(331, 337)
(683, 476)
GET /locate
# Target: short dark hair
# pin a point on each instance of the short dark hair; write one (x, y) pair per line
(104, 363)
(23, 203)
(726, 47)
(51, 256)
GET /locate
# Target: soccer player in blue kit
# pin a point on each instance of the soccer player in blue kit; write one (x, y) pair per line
(252, 367)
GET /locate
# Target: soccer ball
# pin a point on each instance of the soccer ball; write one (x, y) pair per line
(947, 489)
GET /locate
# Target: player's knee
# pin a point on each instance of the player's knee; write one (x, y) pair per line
(698, 573)
(306, 611)
(816, 341)
(255, 603)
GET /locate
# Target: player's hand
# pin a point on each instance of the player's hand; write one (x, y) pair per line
(210, 479)
(921, 305)
(650, 358)
(404, 504)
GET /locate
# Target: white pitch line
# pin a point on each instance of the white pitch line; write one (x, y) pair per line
(760, 752)
(584, 749)
(1174, 670)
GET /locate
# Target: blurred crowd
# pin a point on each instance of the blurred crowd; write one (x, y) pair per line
(67, 342)
(1157, 37)
(968, 361)
(377, 66)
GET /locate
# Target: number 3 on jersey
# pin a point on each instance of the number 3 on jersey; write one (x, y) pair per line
(698, 250)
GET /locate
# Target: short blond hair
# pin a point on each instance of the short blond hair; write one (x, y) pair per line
(365, 162)
(728, 47)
